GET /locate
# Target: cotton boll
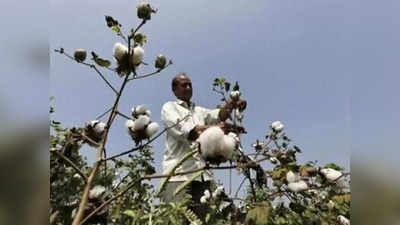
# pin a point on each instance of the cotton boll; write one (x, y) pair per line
(148, 113)
(210, 141)
(140, 109)
(292, 177)
(151, 129)
(99, 127)
(130, 124)
(138, 54)
(228, 147)
(277, 126)
(219, 191)
(203, 199)
(330, 174)
(343, 220)
(207, 194)
(141, 122)
(234, 95)
(96, 191)
(120, 51)
(298, 186)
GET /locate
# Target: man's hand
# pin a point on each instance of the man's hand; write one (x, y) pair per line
(230, 104)
(196, 131)
(227, 127)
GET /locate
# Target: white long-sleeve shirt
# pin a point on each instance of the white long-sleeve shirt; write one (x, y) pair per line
(177, 144)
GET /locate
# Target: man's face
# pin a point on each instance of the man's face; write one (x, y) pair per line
(183, 89)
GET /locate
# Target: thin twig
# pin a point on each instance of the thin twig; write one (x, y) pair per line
(72, 164)
(150, 74)
(240, 186)
(103, 114)
(91, 66)
(123, 115)
(147, 143)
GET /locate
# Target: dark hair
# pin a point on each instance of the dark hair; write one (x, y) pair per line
(175, 79)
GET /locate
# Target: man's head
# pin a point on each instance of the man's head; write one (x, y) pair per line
(182, 87)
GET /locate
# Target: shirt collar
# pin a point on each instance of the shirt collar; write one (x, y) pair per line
(184, 104)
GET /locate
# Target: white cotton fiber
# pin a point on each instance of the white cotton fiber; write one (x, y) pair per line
(141, 122)
(151, 129)
(210, 141)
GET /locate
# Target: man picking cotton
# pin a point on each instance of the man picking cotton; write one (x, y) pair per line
(193, 121)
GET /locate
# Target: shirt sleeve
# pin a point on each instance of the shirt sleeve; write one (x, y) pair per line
(170, 117)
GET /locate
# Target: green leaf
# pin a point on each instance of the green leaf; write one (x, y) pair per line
(183, 185)
(227, 86)
(236, 87)
(116, 29)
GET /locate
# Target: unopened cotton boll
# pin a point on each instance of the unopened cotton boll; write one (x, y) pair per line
(80, 55)
(160, 62)
(331, 174)
(343, 220)
(292, 177)
(120, 51)
(141, 122)
(138, 54)
(96, 191)
(298, 186)
(151, 129)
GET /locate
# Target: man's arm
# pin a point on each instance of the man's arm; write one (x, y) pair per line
(170, 117)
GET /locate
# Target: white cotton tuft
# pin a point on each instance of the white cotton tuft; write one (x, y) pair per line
(298, 186)
(99, 127)
(277, 126)
(210, 141)
(207, 194)
(120, 51)
(330, 174)
(203, 199)
(130, 124)
(139, 110)
(148, 112)
(218, 191)
(292, 177)
(96, 191)
(343, 220)
(141, 122)
(138, 54)
(228, 147)
(151, 129)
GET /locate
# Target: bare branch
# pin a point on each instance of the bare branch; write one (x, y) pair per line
(62, 156)
(91, 66)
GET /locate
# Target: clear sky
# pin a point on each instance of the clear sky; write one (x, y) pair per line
(327, 69)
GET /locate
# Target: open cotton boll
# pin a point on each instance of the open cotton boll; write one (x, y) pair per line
(331, 174)
(139, 110)
(292, 177)
(228, 147)
(203, 199)
(343, 220)
(130, 125)
(99, 127)
(120, 51)
(277, 126)
(207, 194)
(96, 191)
(298, 186)
(138, 54)
(141, 122)
(210, 141)
(151, 129)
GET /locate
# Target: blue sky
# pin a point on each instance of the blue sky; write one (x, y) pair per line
(327, 69)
